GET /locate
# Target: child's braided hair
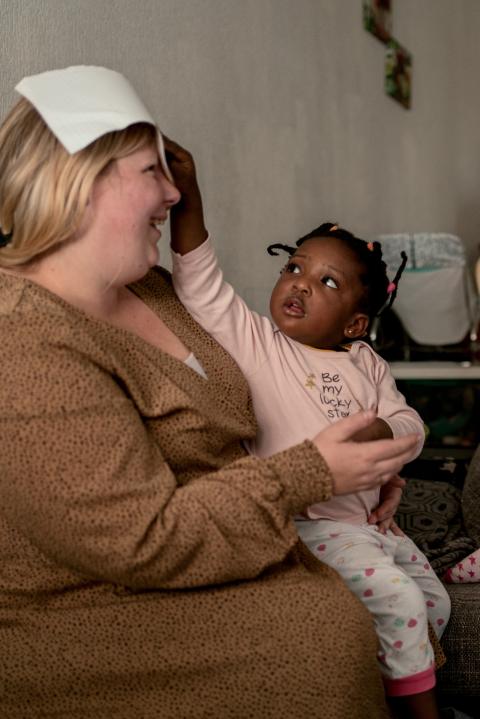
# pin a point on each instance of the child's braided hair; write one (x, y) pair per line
(380, 292)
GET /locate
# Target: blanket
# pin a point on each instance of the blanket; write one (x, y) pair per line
(465, 571)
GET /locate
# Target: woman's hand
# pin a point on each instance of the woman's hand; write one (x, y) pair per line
(356, 466)
(187, 227)
(390, 497)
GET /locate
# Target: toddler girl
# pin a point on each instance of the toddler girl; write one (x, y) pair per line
(306, 369)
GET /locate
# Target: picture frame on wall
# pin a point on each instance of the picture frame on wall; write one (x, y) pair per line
(377, 18)
(398, 73)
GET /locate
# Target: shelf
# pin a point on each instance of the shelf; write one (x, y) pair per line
(435, 370)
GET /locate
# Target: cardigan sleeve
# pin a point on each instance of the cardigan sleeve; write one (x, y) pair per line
(84, 480)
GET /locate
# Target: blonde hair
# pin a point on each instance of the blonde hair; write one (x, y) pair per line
(43, 190)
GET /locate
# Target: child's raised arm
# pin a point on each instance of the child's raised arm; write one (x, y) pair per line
(187, 227)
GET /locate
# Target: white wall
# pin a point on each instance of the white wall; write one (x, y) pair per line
(282, 103)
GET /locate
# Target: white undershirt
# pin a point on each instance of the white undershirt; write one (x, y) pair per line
(193, 363)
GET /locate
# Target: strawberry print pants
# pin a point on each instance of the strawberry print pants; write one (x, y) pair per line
(394, 580)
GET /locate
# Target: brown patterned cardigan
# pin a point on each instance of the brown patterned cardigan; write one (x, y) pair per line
(149, 568)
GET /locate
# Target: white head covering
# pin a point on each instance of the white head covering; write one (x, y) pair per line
(81, 103)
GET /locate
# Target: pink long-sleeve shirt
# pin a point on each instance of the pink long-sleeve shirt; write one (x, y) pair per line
(297, 390)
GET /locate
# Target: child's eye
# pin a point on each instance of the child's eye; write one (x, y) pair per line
(151, 168)
(292, 267)
(330, 282)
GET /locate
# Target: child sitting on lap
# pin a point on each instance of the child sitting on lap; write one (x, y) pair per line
(307, 369)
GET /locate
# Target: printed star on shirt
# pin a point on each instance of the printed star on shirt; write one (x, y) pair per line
(310, 381)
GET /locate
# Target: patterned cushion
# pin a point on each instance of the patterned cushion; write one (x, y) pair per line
(430, 513)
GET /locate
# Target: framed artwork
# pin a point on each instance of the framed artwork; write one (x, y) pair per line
(377, 18)
(398, 73)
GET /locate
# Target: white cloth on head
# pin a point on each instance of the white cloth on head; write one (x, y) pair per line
(83, 102)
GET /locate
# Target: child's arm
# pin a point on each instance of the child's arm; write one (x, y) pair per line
(198, 280)
(384, 513)
(395, 418)
(187, 227)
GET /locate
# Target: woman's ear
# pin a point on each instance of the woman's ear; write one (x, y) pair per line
(357, 326)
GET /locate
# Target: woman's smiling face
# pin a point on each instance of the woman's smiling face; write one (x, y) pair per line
(317, 298)
(129, 203)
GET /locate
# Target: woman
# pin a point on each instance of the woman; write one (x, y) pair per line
(149, 567)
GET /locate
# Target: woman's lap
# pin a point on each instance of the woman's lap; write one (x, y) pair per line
(293, 642)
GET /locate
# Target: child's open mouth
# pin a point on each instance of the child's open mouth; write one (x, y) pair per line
(294, 307)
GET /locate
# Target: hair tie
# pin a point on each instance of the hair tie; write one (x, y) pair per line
(286, 248)
(393, 285)
(5, 239)
(333, 228)
(370, 246)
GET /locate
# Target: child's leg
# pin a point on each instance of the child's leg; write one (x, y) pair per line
(417, 567)
(416, 706)
(364, 558)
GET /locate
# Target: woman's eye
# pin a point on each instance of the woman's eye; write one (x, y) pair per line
(151, 168)
(292, 267)
(330, 282)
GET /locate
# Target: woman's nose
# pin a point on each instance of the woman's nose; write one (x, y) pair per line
(171, 194)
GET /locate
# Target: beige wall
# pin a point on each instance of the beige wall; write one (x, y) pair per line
(282, 103)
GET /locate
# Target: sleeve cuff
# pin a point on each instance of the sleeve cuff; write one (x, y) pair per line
(193, 255)
(304, 474)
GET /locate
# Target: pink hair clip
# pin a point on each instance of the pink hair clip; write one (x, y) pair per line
(392, 286)
(370, 246)
(333, 227)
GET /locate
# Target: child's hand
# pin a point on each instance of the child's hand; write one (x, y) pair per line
(390, 497)
(182, 167)
(187, 227)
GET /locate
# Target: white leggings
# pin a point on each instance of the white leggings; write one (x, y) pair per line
(394, 580)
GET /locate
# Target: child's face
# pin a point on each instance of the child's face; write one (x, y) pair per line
(315, 300)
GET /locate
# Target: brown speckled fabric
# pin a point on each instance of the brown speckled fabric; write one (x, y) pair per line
(149, 568)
